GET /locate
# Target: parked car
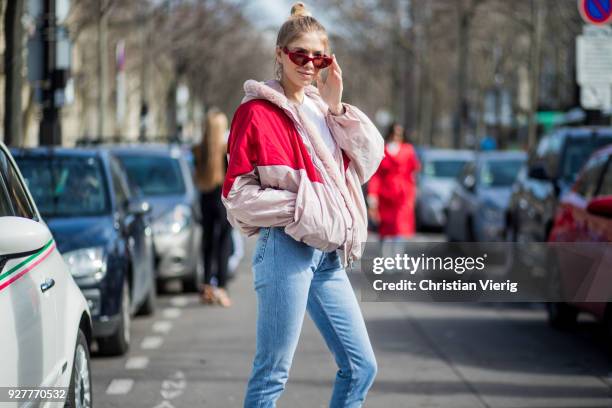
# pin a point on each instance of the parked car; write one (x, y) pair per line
(164, 179)
(103, 232)
(439, 169)
(584, 215)
(480, 198)
(46, 324)
(548, 174)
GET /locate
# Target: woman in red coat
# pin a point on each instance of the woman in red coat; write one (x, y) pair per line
(392, 190)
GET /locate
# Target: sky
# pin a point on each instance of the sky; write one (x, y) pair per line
(269, 12)
(273, 13)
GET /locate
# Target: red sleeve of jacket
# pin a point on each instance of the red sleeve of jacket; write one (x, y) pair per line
(240, 147)
(249, 205)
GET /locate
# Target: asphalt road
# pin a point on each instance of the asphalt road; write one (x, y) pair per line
(429, 355)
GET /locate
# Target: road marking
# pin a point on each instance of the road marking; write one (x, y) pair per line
(173, 386)
(179, 301)
(137, 363)
(164, 404)
(120, 386)
(162, 326)
(151, 342)
(172, 312)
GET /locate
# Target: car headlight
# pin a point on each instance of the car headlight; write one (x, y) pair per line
(174, 221)
(89, 262)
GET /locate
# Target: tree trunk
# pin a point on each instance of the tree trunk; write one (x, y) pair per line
(537, 12)
(13, 65)
(102, 68)
(463, 49)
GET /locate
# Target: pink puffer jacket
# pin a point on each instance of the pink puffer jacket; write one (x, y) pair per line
(281, 173)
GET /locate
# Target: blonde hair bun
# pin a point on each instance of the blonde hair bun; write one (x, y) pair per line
(299, 10)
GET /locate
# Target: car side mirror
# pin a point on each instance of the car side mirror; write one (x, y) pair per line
(21, 236)
(538, 172)
(139, 207)
(601, 206)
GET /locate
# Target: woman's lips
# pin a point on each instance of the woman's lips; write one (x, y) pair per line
(306, 74)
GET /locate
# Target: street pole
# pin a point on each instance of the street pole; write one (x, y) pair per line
(13, 62)
(50, 127)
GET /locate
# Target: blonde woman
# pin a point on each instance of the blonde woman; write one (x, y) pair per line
(210, 167)
(298, 158)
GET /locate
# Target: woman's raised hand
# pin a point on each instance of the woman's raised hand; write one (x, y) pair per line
(331, 89)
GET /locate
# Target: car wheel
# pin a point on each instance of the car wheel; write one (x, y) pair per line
(448, 228)
(470, 232)
(119, 342)
(195, 281)
(418, 221)
(561, 315)
(80, 390)
(513, 267)
(607, 326)
(148, 306)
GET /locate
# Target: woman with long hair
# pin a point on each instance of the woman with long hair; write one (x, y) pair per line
(298, 156)
(392, 189)
(210, 167)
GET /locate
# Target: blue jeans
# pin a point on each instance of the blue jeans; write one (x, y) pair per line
(291, 277)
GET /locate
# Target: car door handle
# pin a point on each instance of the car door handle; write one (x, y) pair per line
(46, 285)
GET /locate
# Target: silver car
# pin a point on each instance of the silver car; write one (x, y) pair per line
(439, 168)
(476, 211)
(163, 177)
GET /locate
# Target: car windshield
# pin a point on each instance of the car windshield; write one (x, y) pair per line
(499, 173)
(66, 186)
(441, 168)
(154, 175)
(577, 151)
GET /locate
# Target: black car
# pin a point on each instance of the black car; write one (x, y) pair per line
(103, 233)
(549, 173)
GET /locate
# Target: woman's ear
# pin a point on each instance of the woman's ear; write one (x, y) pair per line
(279, 55)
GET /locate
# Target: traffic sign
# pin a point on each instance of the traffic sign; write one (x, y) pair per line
(596, 11)
(593, 60)
(596, 96)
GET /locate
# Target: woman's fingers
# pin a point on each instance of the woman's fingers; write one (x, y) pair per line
(320, 82)
(335, 65)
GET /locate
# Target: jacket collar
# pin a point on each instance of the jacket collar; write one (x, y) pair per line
(272, 91)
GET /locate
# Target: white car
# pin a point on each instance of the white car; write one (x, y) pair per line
(45, 320)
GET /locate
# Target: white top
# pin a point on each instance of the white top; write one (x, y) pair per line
(314, 114)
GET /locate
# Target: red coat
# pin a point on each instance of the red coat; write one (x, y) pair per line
(394, 187)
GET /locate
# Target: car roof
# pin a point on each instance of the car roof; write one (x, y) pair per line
(501, 155)
(152, 149)
(57, 151)
(429, 153)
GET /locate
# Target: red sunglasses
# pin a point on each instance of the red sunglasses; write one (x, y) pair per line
(301, 59)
